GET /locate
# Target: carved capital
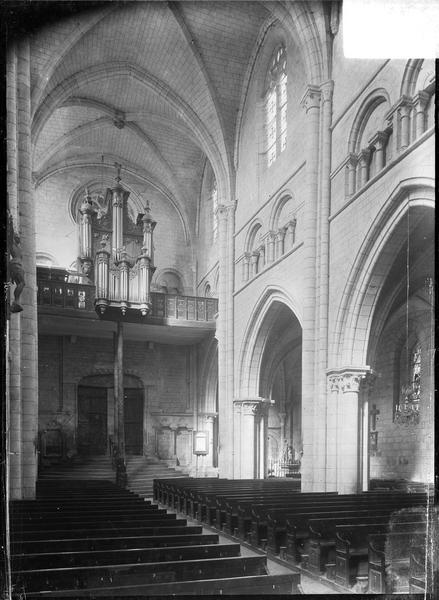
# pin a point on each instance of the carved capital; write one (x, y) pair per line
(311, 98)
(420, 101)
(379, 139)
(271, 236)
(350, 379)
(364, 156)
(252, 407)
(327, 90)
(280, 234)
(351, 160)
(221, 212)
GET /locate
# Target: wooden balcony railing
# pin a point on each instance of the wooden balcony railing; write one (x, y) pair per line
(65, 295)
(164, 306)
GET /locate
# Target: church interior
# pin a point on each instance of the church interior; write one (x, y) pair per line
(219, 329)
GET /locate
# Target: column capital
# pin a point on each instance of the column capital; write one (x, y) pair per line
(351, 160)
(292, 223)
(349, 379)
(222, 212)
(327, 90)
(379, 139)
(311, 98)
(420, 100)
(250, 406)
(280, 233)
(271, 235)
(363, 156)
(403, 102)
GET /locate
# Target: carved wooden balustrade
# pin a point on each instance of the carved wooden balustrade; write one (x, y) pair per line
(80, 296)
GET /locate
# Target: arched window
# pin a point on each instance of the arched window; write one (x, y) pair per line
(276, 105)
(214, 210)
(407, 409)
(415, 372)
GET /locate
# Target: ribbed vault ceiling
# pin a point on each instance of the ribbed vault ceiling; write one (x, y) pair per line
(154, 85)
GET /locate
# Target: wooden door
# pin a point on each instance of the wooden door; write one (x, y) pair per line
(92, 420)
(133, 411)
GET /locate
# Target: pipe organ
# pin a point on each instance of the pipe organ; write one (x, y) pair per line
(120, 250)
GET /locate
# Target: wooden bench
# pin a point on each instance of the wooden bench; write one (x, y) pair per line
(89, 544)
(139, 573)
(277, 517)
(55, 560)
(418, 573)
(352, 544)
(69, 534)
(388, 553)
(298, 525)
(256, 585)
(201, 500)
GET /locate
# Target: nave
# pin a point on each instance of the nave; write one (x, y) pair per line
(213, 536)
(89, 539)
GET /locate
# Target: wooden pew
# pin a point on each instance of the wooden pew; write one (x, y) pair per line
(200, 499)
(277, 517)
(298, 527)
(89, 544)
(419, 559)
(388, 553)
(77, 559)
(138, 573)
(115, 532)
(255, 585)
(352, 545)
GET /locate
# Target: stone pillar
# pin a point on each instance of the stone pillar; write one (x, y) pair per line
(23, 340)
(261, 251)
(363, 161)
(367, 384)
(270, 246)
(247, 428)
(280, 237)
(231, 207)
(320, 410)
(420, 102)
(379, 142)
(209, 422)
(246, 266)
(254, 257)
(332, 433)
(291, 232)
(404, 109)
(347, 383)
(226, 220)
(351, 174)
(311, 104)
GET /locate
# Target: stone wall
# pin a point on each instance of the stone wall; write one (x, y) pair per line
(162, 371)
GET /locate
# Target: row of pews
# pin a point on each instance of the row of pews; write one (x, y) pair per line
(371, 541)
(90, 539)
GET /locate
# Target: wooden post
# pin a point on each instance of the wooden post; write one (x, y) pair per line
(119, 433)
(120, 392)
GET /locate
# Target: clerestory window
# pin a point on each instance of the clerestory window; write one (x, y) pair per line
(276, 106)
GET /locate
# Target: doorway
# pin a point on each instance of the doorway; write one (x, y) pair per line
(92, 421)
(133, 412)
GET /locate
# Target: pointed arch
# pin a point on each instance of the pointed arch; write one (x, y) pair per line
(256, 334)
(365, 280)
